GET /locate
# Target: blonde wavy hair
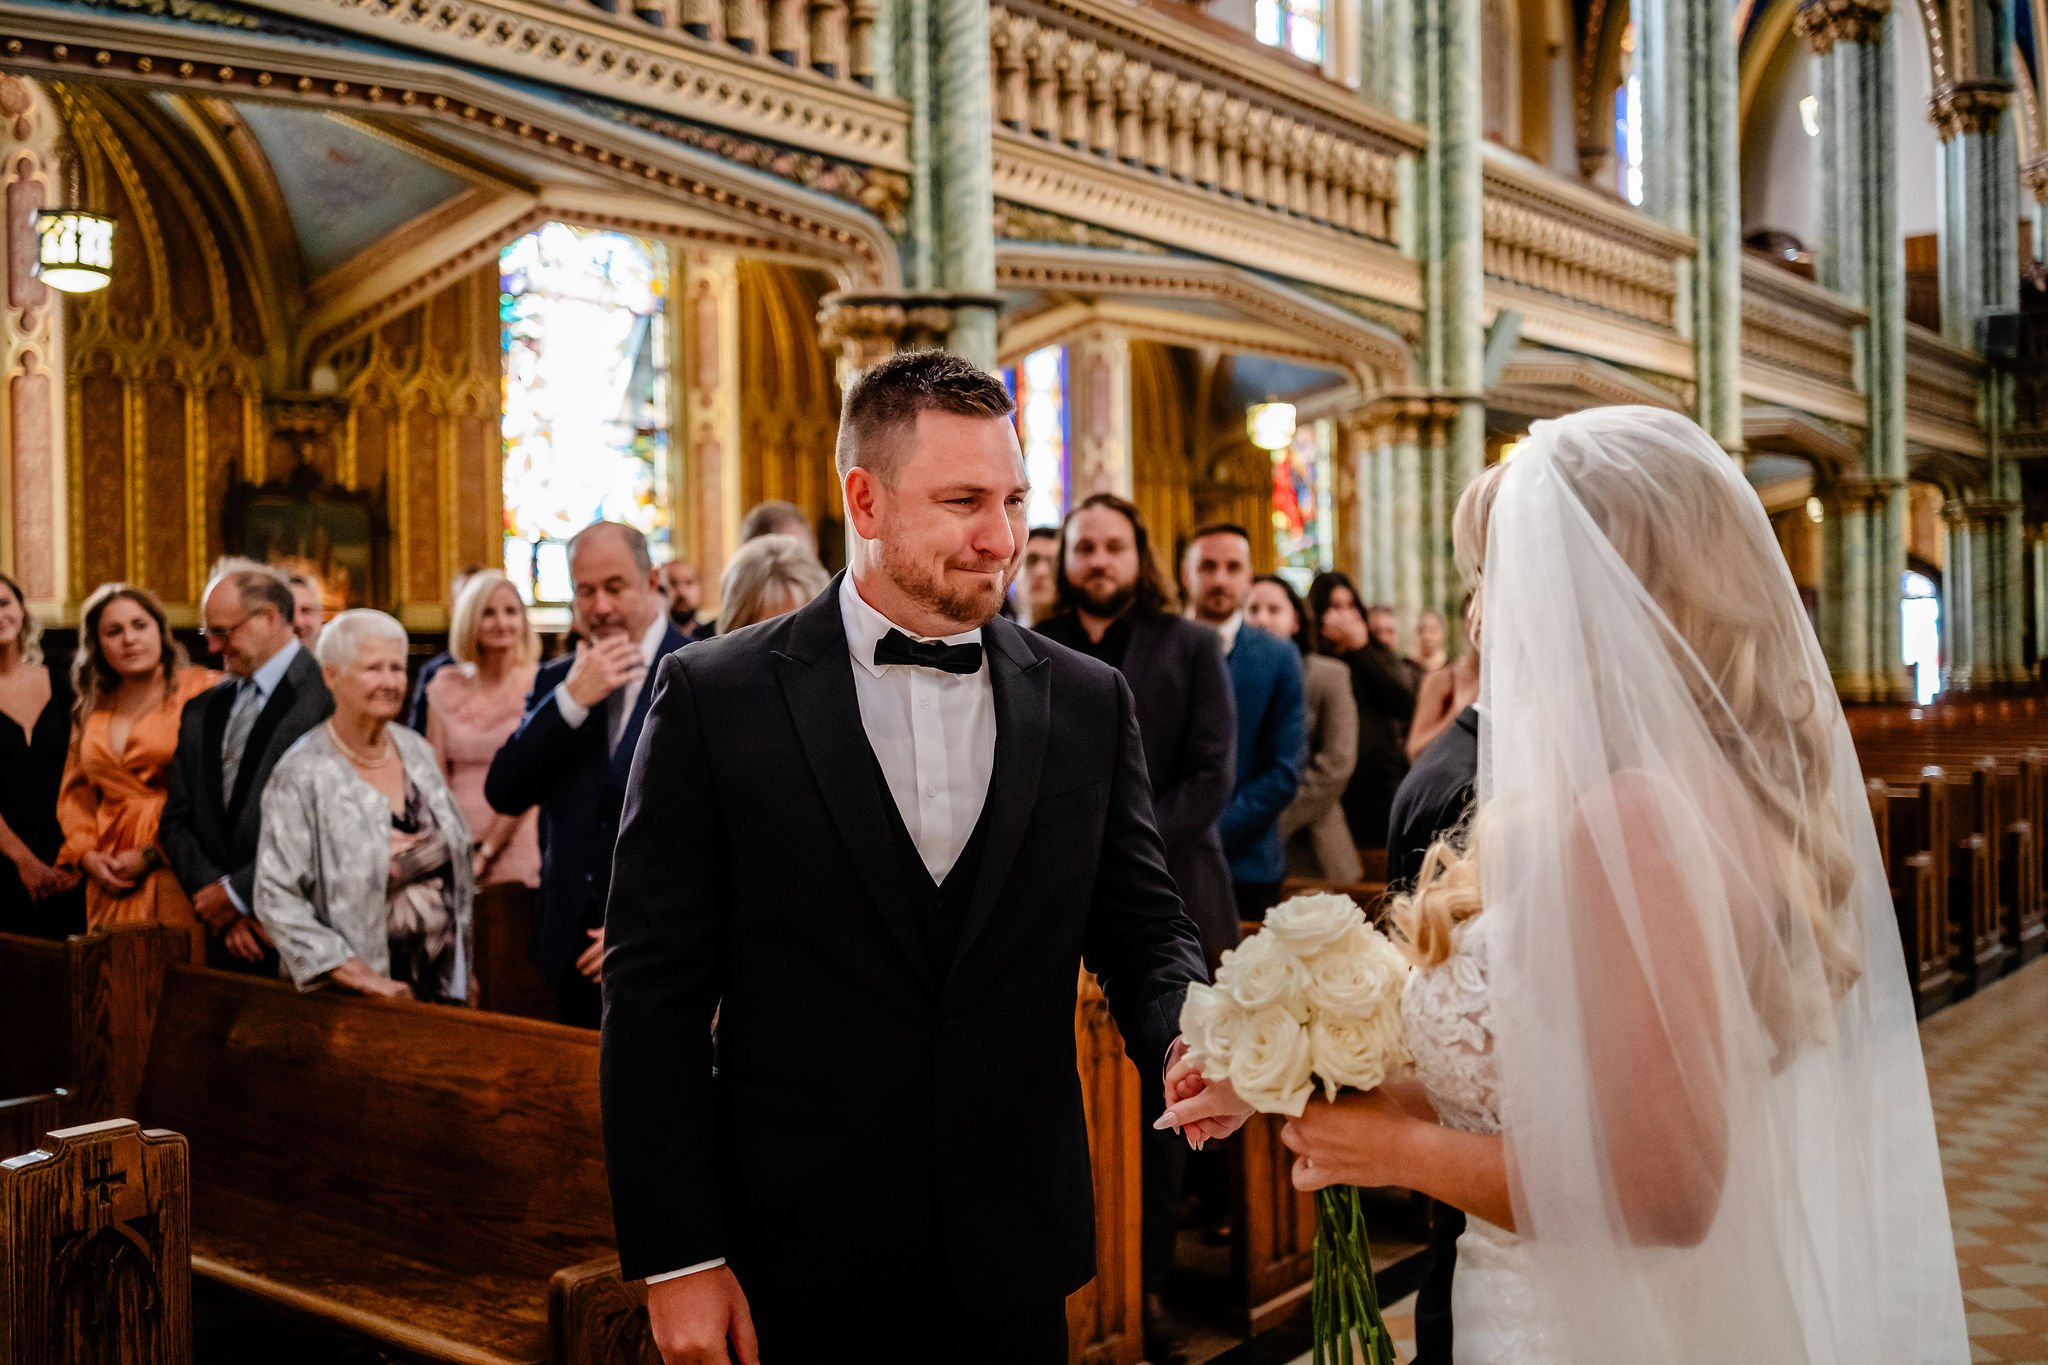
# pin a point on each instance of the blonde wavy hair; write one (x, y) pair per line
(469, 615)
(1740, 652)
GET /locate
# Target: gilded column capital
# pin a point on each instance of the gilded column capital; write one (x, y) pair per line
(1968, 107)
(1860, 494)
(1412, 418)
(2034, 175)
(1823, 23)
(863, 328)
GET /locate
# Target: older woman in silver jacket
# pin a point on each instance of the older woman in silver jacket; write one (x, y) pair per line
(363, 870)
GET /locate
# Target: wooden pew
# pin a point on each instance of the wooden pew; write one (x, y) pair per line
(95, 1253)
(412, 1175)
(507, 981)
(77, 1015)
(1105, 1317)
(1912, 836)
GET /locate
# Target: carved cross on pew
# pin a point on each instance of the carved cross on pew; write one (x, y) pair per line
(101, 1178)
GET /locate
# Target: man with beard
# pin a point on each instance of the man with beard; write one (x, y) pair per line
(685, 596)
(1112, 605)
(876, 839)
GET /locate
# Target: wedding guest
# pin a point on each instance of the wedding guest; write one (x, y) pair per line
(1113, 606)
(1383, 623)
(685, 598)
(1448, 691)
(1037, 596)
(573, 751)
(132, 681)
(307, 611)
(416, 711)
(230, 737)
(1432, 650)
(362, 877)
(36, 896)
(767, 577)
(776, 518)
(1385, 700)
(473, 706)
(1313, 827)
(1265, 677)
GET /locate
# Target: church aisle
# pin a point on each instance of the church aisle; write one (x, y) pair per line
(1991, 1107)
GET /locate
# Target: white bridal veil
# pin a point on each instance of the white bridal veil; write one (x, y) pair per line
(1719, 1138)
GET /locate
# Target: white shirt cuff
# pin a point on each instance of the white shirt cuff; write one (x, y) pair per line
(687, 1270)
(234, 900)
(573, 711)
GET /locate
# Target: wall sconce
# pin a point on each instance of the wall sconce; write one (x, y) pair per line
(1816, 511)
(74, 250)
(1270, 426)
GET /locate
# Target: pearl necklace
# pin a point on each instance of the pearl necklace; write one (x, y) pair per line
(390, 750)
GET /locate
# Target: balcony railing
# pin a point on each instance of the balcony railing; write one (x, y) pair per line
(1799, 342)
(1562, 240)
(1143, 92)
(1942, 382)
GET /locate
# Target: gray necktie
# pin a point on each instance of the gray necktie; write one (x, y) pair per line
(241, 720)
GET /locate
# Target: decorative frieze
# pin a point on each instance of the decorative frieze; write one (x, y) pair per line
(1823, 23)
(1562, 240)
(1797, 336)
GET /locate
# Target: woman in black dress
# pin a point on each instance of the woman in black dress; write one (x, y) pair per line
(35, 733)
(1386, 705)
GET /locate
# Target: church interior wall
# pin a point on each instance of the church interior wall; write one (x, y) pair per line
(1780, 177)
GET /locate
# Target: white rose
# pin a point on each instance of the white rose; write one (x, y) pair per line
(1269, 1066)
(1356, 973)
(1307, 923)
(1211, 1022)
(1358, 1052)
(1262, 972)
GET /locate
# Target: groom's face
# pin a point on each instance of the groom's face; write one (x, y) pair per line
(950, 522)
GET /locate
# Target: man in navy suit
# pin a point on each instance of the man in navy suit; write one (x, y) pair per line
(572, 753)
(1272, 724)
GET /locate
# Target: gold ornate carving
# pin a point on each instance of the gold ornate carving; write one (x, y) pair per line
(866, 328)
(2034, 175)
(1823, 23)
(1968, 107)
(624, 58)
(1417, 418)
(1016, 222)
(191, 11)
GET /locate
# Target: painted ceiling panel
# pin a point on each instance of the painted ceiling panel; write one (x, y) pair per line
(345, 188)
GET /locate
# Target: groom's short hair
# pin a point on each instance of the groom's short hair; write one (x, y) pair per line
(882, 405)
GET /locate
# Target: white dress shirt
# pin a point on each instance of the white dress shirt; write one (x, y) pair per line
(619, 705)
(1229, 629)
(933, 732)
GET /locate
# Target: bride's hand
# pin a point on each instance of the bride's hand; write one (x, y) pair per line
(1199, 1109)
(1356, 1140)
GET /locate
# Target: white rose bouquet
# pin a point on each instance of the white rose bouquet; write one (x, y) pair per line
(1314, 996)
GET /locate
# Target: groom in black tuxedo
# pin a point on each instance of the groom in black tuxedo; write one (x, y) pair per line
(877, 838)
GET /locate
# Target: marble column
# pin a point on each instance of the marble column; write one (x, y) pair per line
(1859, 623)
(863, 327)
(962, 169)
(2034, 180)
(1862, 258)
(1962, 591)
(1686, 52)
(1410, 479)
(34, 502)
(1099, 456)
(1449, 416)
(2037, 560)
(1979, 205)
(708, 525)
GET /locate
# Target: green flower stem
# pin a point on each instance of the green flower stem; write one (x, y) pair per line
(1344, 1299)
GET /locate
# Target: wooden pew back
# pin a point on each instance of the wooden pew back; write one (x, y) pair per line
(79, 1015)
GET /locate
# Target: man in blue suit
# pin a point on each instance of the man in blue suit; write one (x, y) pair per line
(1272, 725)
(572, 753)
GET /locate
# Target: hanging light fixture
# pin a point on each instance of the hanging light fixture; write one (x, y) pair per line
(74, 246)
(1270, 426)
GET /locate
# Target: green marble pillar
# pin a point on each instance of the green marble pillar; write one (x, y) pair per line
(963, 162)
(1979, 175)
(1860, 256)
(1686, 51)
(1959, 598)
(1860, 624)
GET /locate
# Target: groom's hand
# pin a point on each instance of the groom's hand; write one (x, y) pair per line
(702, 1319)
(1196, 1108)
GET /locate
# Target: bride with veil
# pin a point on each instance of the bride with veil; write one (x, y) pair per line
(1666, 1055)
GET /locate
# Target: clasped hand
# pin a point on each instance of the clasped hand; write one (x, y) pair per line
(1349, 1141)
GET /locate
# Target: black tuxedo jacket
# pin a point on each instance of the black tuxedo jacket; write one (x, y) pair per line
(206, 833)
(1187, 721)
(874, 1125)
(579, 785)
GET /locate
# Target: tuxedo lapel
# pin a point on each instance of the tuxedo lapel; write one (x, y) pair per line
(218, 703)
(260, 735)
(817, 684)
(621, 764)
(1023, 688)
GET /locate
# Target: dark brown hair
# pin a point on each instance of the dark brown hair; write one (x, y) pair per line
(884, 403)
(92, 677)
(1151, 595)
(1320, 590)
(1307, 638)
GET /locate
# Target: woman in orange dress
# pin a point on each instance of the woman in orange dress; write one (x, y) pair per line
(132, 683)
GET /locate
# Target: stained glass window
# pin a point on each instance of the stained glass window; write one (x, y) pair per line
(1040, 387)
(1628, 122)
(584, 323)
(1302, 498)
(1293, 25)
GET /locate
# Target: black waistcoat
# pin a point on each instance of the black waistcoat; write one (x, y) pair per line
(939, 906)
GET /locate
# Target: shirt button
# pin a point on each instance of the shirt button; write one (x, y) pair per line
(931, 789)
(925, 705)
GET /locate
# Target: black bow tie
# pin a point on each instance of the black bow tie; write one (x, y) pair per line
(898, 648)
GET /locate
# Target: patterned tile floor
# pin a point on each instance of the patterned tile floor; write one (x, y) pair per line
(1988, 1069)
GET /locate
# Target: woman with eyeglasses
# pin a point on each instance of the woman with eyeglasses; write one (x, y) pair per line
(132, 682)
(35, 730)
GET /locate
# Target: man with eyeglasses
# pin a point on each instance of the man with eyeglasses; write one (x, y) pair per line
(229, 739)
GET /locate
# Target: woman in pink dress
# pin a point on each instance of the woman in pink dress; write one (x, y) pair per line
(473, 706)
